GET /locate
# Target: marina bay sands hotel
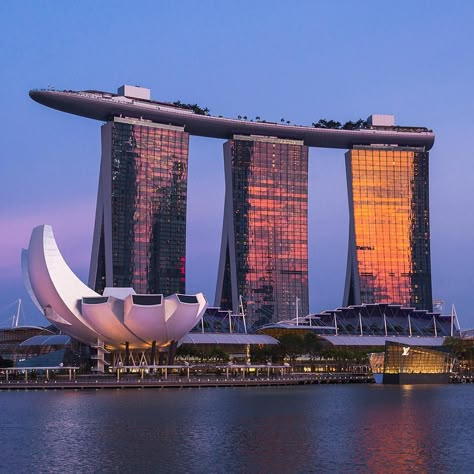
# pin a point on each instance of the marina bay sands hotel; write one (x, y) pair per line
(140, 228)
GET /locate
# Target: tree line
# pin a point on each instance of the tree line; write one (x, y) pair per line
(350, 125)
(291, 346)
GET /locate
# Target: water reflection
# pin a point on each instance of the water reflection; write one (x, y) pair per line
(394, 435)
(345, 428)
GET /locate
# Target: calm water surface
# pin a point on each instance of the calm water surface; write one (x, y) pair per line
(330, 428)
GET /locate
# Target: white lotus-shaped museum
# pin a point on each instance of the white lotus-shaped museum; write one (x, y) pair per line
(118, 318)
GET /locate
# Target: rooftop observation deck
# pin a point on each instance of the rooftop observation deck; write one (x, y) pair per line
(104, 106)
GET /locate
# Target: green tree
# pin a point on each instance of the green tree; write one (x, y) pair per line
(197, 109)
(292, 344)
(258, 354)
(312, 345)
(460, 348)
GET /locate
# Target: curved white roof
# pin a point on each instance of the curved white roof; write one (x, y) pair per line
(117, 318)
(58, 290)
(26, 278)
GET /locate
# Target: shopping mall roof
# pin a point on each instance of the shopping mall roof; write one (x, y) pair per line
(24, 328)
(55, 340)
(380, 340)
(215, 338)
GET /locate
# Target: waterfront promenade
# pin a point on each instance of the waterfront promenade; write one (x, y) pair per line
(91, 382)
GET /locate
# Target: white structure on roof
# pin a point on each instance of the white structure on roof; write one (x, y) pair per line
(119, 318)
(378, 120)
(135, 92)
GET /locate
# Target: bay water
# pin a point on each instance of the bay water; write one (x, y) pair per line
(317, 428)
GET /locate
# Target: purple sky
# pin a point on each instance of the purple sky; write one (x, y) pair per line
(303, 61)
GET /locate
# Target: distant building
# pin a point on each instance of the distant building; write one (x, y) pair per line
(264, 251)
(53, 351)
(11, 339)
(389, 235)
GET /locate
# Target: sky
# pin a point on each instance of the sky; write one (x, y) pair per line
(302, 61)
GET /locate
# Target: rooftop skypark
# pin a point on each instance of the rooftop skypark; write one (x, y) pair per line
(135, 102)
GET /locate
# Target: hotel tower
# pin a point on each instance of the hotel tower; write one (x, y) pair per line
(389, 230)
(264, 251)
(140, 228)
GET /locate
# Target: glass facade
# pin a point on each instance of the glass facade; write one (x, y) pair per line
(11, 338)
(264, 258)
(148, 183)
(389, 243)
(401, 359)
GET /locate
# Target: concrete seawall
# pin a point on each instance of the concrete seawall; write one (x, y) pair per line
(100, 382)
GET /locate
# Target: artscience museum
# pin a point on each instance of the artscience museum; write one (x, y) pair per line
(120, 319)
